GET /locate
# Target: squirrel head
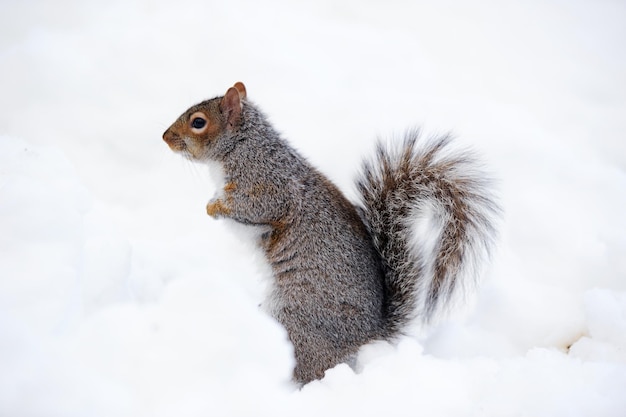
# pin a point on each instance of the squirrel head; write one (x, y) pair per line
(199, 129)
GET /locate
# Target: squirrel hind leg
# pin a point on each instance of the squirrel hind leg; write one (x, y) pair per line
(312, 364)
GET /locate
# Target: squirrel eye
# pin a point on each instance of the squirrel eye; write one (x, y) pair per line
(198, 123)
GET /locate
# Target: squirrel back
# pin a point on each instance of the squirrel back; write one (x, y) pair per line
(344, 275)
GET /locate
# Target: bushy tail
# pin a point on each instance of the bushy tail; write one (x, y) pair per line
(406, 193)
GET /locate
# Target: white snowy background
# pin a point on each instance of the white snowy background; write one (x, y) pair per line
(120, 297)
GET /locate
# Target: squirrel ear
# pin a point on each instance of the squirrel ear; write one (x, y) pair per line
(241, 89)
(231, 106)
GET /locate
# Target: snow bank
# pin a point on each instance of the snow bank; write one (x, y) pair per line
(119, 296)
(92, 325)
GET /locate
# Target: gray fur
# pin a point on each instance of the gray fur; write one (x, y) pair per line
(343, 276)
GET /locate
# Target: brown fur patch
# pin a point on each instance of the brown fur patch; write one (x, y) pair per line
(230, 187)
(217, 208)
(276, 235)
(241, 89)
(173, 140)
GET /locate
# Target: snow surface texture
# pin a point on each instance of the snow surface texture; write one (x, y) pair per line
(120, 297)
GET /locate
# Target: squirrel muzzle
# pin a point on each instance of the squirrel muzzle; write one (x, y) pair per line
(174, 141)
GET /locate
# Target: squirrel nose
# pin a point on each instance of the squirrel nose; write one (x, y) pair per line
(169, 136)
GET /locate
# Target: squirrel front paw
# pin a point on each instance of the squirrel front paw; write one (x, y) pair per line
(217, 208)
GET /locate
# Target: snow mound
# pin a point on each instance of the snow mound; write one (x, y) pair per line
(88, 329)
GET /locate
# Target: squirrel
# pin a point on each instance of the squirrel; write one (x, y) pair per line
(344, 274)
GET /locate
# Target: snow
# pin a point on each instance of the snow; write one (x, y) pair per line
(119, 296)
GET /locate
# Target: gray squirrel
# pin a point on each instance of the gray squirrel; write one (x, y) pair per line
(344, 274)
